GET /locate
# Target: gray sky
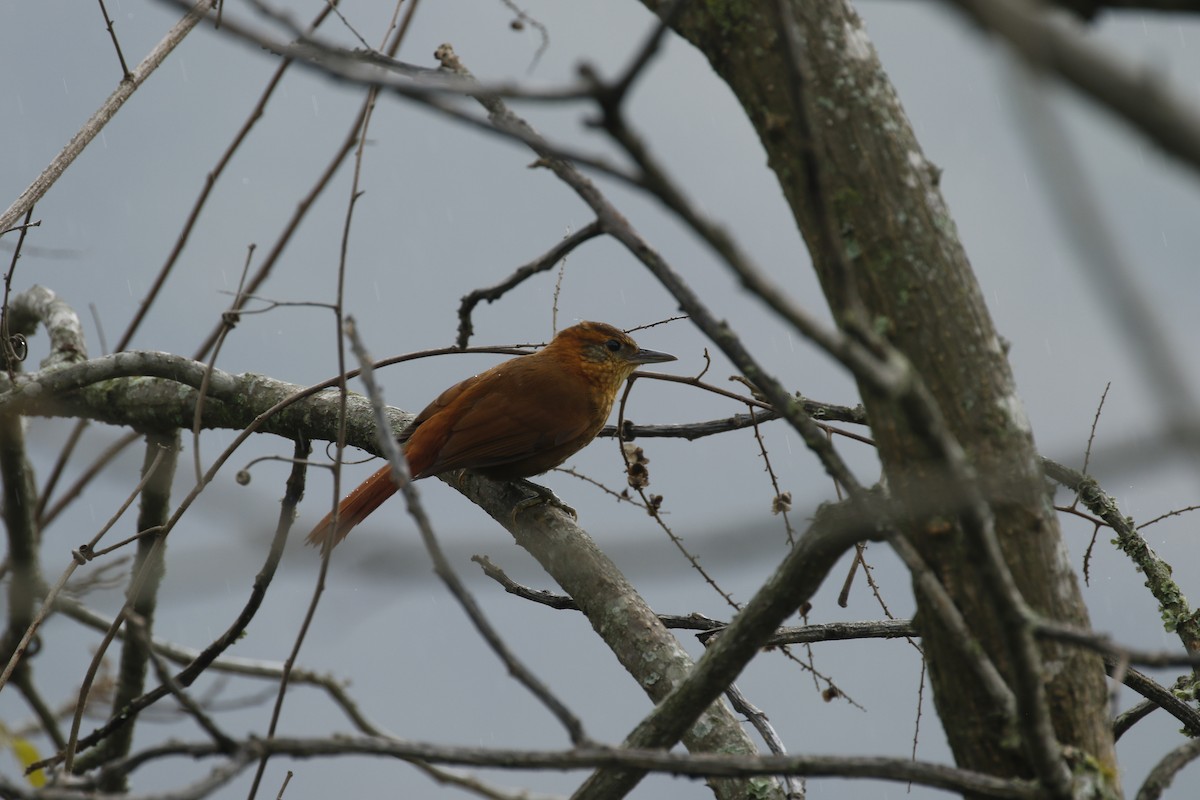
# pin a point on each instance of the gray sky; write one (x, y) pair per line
(447, 209)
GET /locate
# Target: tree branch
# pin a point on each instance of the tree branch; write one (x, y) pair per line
(1053, 44)
(100, 118)
(834, 530)
(702, 765)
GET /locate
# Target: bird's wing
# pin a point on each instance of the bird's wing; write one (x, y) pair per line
(442, 401)
(495, 418)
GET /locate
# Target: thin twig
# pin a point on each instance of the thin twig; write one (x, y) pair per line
(782, 502)
(1173, 605)
(292, 496)
(196, 667)
(136, 624)
(210, 181)
(360, 136)
(236, 666)
(1087, 453)
(653, 504)
(95, 468)
(1173, 513)
(125, 73)
(756, 717)
(542, 263)
(522, 19)
(229, 321)
(160, 280)
(952, 779)
(7, 344)
(125, 89)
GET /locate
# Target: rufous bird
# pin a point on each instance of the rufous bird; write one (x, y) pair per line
(520, 418)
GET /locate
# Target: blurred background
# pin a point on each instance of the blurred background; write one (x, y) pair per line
(447, 209)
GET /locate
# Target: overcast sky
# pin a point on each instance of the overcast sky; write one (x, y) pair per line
(447, 209)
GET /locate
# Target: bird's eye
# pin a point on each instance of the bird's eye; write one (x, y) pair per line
(613, 344)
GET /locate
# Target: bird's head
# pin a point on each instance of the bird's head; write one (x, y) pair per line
(602, 352)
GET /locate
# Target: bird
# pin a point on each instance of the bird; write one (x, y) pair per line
(520, 418)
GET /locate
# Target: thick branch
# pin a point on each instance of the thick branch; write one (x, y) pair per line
(895, 253)
(835, 529)
(619, 615)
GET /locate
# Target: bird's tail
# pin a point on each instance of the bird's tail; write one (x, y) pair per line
(357, 506)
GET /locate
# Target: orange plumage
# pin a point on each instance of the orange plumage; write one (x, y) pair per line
(517, 419)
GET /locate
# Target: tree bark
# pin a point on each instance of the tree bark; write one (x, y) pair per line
(901, 258)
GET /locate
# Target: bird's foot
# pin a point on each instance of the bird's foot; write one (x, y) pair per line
(540, 495)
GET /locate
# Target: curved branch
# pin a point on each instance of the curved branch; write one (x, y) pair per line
(1164, 771)
(540, 264)
(39, 304)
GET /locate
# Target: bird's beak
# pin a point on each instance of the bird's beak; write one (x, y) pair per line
(650, 357)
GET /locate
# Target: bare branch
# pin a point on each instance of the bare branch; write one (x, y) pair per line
(201, 662)
(1173, 605)
(100, 118)
(1157, 696)
(1051, 43)
(833, 531)
(542, 263)
(1164, 771)
(756, 717)
(210, 181)
(234, 665)
(112, 32)
(703, 765)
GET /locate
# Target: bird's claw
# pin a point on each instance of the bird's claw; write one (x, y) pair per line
(540, 495)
